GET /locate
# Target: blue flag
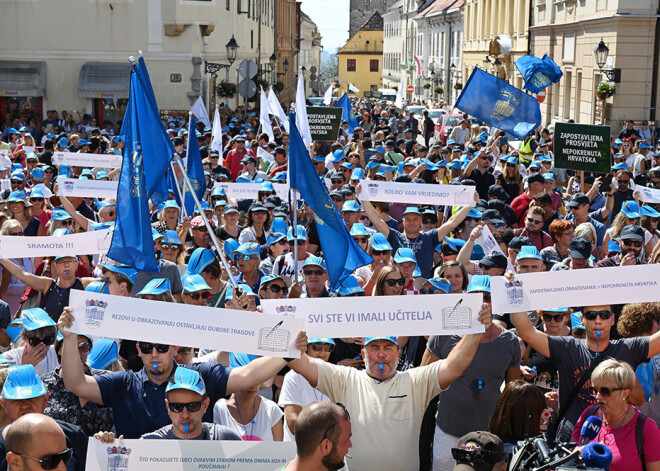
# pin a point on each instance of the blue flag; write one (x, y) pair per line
(537, 73)
(347, 115)
(499, 104)
(195, 171)
(146, 146)
(342, 254)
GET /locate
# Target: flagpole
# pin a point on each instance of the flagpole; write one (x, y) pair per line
(178, 190)
(214, 239)
(185, 167)
(294, 230)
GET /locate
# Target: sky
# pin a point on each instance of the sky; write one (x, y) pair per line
(331, 16)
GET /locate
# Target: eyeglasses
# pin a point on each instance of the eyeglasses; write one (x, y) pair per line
(170, 246)
(428, 221)
(67, 222)
(392, 282)
(53, 460)
(313, 272)
(204, 295)
(551, 317)
(177, 407)
(185, 350)
(322, 347)
(622, 182)
(534, 221)
(277, 289)
(431, 290)
(202, 229)
(84, 346)
(239, 256)
(325, 434)
(605, 392)
(337, 199)
(361, 240)
(37, 200)
(591, 315)
(630, 242)
(146, 347)
(17, 233)
(35, 341)
(380, 252)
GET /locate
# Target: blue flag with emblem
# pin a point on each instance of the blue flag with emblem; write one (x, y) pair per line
(499, 104)
(538, 74)
(146, 146)
(195, 172)
(342, 254)
(347, 115)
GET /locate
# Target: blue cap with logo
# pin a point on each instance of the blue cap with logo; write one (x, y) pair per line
(185, 378)
(128, 272)
(22, 383)
(104, 353)
(193, 283)
(368, 340)
(36, 318)
(379, 242)
(156, 287)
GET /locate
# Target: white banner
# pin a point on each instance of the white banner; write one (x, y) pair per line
(250, 190)
(86, 243)
(5, 184)
(4, 158)
(443, 314)
(86, 188)
(75, 159)
(264, 154)
(188, 455)
(489, 244)
(414, 193)
(648, 195)
(566, 288)
(184, 324)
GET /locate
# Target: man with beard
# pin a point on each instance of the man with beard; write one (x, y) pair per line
(631, 242)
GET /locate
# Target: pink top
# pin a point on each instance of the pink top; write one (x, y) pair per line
(623, 445)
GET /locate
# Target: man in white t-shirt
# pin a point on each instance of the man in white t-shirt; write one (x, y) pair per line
(387, 405)
(296, 392)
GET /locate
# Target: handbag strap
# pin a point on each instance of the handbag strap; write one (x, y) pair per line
(586, 374)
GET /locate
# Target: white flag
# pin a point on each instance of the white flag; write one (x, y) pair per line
(199, 110)
(398, 102)
(276, 109)
(301, 112)
(216, 143)
(327, 96)
(353, 89)
(264, 119)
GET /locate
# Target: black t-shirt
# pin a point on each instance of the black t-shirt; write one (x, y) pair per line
(224, 235)
(344, 350)
(220, 170)
(483, 181)
(45, 157)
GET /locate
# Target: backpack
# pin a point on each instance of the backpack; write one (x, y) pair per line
(639, 432)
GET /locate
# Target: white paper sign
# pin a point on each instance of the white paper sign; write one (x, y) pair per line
(489, 244)
(251, 190)
(184, 324)
(585, 287)
(441, 314)
(5, 184)
(188, 455)
(86, 188)
(86, 243)
(75, 159)
(648, 195)
(264, 154)
(29, 149)
(414, 193)
(4, 158)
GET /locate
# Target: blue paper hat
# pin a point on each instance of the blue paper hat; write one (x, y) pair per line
(379, 242)
(22, 383)
(368, 340)
(631, 209)
(315, 261)
(358, 229)
(190, 380)
(193, 283)
(171, 237)
(278, 225)
(404, 254)
(98, 287)
(128, 272)
(104, 353)
(576, 321)
(349, 286)
(301, 233)
(649, 211)
(36, 318)
(529, 251)
(156, 287)
(479, 283)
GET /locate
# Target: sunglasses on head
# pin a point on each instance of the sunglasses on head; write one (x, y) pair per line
(392, 282)
(553, 317)
(630, 242)
(322, 347)
(277, 289)
(591, 315)
(147, 347)
(170, 246)
(361, 240)
(35, 341)
(534, 221)
(605, 392)
(52, 461)
(317, 272)
(203, 295)
(177, 407)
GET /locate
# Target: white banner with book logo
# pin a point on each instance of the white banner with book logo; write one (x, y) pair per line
(414, 193)
(87, 188)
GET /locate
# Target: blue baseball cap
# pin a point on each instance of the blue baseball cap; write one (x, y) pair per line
(549, 176)
(247, 289)
(561, 310)
(474, 214)
(36, 318)
(349, 286)
(230, 246)
(18, 196)
(618, 141)
(101, 174)
(248, 248)
(193, 283)
(379, 242)
(60, 215)
(98, 287)
(544, 158)
(266, 186)
(185, 378)
(620, 166)
(301, 232)
(631, 209)
(317, 261)
(613, 246)
(358, 229)
(241, 359)
(156, 287)
(479, 283)
(319, 158)
(649, 211)
(455, 243)
(644, 145)
(338, 155)
(218, 191)
(529, 251)
(38, 173)
(412, 210)
(378, 149)
(14, 329)
(368, 340)
(278, 225)
(199, 260)
(329, 341)
(22, 383)
(279, 177)
(576, 321)
(535, 165)
(128, 272)
(275, 237)
(155, 235)
(351, 206)
(170, 237)
(171, 204)
(357, 174)
(404, 254)
(104, 353)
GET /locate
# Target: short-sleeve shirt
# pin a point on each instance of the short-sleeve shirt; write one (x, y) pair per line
(423, 246)
(259, 429)
(572, 357)
(483, 181)
(168, 270)
(464, 407)
(385, 416)
(298, 392)
(138, 405)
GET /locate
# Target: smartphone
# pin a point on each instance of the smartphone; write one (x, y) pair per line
(606, 182)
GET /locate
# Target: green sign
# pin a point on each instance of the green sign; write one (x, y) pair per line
(582, 147)
(324, 122)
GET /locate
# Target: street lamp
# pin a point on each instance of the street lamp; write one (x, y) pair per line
(601, 52)
(498, 66)
(213, 68)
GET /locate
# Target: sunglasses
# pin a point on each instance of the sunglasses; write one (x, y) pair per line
(336, 199)
(177, 407)
(185, 350)
(511, 165)
(67, 222)
(202, 229)
(259, 213)
(37, 200)
(431, 290)
(654, 219)
(17, 233)
(146, 347)
(170, 246)
(35, 341)
(361, 240)
(322, 347)
(534, 221)
(283, 242)
(53, 460)
(487, 158)
(380, 252)
(392, 282)
(428, 221)
(239, 256)
(605, 392)
(591, 315)
(633, 243)
(277, 289)
(313, 272)
(553, 317)
(497, 224)
(204, 295)
(16, 183)
(84, 346)
(622, 182)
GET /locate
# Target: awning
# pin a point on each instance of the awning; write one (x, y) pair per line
(21, 78)
(104, 80)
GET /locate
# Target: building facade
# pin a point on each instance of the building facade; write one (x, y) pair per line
(309, 56)
(361, 58)
(361, 10)
(393, 47)
(570, 31)
(287, 25)
(86, 69)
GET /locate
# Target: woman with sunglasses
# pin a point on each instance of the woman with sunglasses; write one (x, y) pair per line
(257, 225)
(510, 178)
(612, 382)
(277, 246)
(390, 282)
(649, 221)
(171, 250)
(38, 336)
(39, 208)
(19, 210)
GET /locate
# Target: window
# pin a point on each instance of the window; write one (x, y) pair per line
(373, 65)
(350, 65)
(227, 4)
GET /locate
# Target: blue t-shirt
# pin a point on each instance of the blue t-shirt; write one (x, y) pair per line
(138, 405)
(423, 246)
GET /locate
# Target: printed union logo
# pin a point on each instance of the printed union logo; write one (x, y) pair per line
(286, 310)
(514, 292)
(118, 458)
(68, 185)
(94, 312)
(372, 188)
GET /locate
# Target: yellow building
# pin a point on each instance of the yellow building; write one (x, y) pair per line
(360, 60)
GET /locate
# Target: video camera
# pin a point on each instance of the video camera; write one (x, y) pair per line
(534, 454)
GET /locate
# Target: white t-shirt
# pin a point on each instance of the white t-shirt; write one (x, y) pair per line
(297, 391)
(383, 415)
(47, 365)
(259, 429)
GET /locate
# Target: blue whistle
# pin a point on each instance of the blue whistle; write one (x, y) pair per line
(155, 366)
(480, 385)
(186, 428)
(380, 367)
(532, 370)
(598, 332)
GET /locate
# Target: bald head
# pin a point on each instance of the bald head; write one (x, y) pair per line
(23, 433)
(315, 421)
